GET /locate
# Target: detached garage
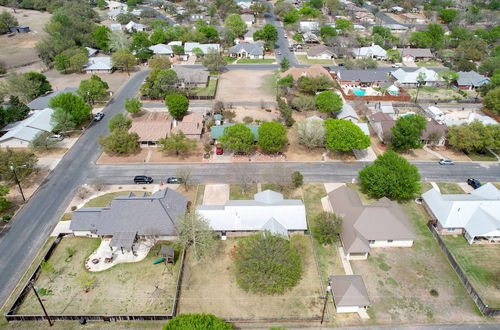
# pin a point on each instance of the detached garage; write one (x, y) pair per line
(349, 293)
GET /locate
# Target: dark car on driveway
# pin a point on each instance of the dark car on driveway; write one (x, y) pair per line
(143, 179)
(174, 180)
(474, 183)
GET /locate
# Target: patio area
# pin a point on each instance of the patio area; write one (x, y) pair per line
(108, 254)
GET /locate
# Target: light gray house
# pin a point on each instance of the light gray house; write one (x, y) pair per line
(20, 133)
(135, 215)
(411, 78)
(205, 48)
(381, 224)
(374, 51)
(101, 64)
(349, 293)
(321, 51)
(267, 211)
(413, 54)
(162, 49)
(253, 50)
(475, 215)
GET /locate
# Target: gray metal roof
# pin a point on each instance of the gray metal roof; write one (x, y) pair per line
(28, 128)
(275, 227)
(252, 48)
(364, 76)
(471, 78)
(42, 102)
(346, 112)
(123, 239)
(155, 214)
(349, 290)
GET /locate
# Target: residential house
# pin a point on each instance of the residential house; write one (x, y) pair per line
(313, 71)
(132, 27)
(347, 113)
(247, 50)
(217, 131)
(396, 28)
(267, 211)
(471, 80)
(374, 51)
(112, 5)
(191, 77)
(19, 134)
(308, 26)
(371, 78)
(435, 113)
(162, 49)
(115, 27)
(414, 18)
(42, 102)
(320, 52)
(386, 108)
(381, 224)
(413, 54)
(191, 125)
(151, 126)
(249, 19)
(475, 215)
(396, 9)
(364, 17)
(205, 48)
(349, 293)
(410, 78)
(136, 12)
(100, 64)
(310, 37)
(132, 216)
(92, 51)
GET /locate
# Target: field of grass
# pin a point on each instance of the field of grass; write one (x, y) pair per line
(484, 157)
(236, 192)
(435, 93)
(210, 90)
(481, 263)
(304, 60)
(252, 61)
(106, 199)
(230, 59)
(130, 288)
(450, 188)
(429, 63)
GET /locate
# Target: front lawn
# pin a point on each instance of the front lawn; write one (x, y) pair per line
(255, 61)
(435, 93)
(429, 63)
(105, 200)
(237, 193)
(206, 91)
(483, 157)
(481, 264)
(450, 188)
(304, 60)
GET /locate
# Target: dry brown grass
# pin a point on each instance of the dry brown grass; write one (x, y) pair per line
(192, 156)
(244, 86)
(137, 157)
(297, 152)
(418, 154)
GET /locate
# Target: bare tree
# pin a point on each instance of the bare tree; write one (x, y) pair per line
(82, 192)
(311, 133)
(184, 173)
(280, 176)
(243, 175)
(194, 231)
(98, 183)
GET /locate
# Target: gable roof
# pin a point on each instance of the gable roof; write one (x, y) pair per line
(410, 77)
(415, 52)
(364, 76)
(275, 227)
(374, 50)
(155, 214)
(42, 102)
(151, 126)
(206, 48)
(162, 49)
(191, 75)
(252, 215)
(347, 112)
(320, 49)
(28, 128)
(252, 48)
(382, 220)
(471, 78)
(191, 124)
(99, 63)
(313, 71)
(349, 290)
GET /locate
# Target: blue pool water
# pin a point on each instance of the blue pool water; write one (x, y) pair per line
(358, 92)
(394, 92)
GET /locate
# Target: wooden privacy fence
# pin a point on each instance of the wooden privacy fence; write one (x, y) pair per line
(468, 286)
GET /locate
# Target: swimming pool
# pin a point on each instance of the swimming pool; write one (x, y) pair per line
(394, 92)
(358, 91)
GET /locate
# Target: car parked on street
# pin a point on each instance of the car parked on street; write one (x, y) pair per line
(174, 180)
(143, 179)
(446, 161)
(474, 183)
(98, 116)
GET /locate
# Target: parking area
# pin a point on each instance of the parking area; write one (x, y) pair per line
(216, 194)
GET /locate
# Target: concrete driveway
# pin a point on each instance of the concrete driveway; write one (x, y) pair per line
(216, 194)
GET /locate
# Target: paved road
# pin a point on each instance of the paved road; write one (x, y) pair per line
(312, 171)
(282, 43)
(159, 15)
(33, 224)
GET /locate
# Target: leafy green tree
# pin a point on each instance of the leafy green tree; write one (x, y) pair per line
(197, 321)
(238, 138)
(210, 33)
(177, 143)
(101, 37)
(4, 203)
(329, 101)
(432, 38)
(344, 135)
(390, 176)
(160, 83)
(159, 62)
(140, 39)
(311, 85)
(259, 8)
(132, 3)
(317, 4)
(474, 137)
(492, 100)
(42, 141)
(198, 52)
(272, 136)
(7, 20)
(119, 142)
(194, 232)
(77, 61)
(492, 84)
(327, 227)
(119, 121)
(448, 15)
(286, 113)
(297, 179)
(69, 110)
(406, 133)
(15, 111)
(268, 34)
(286, 81)
(327, 31)
(119, 41)
(158, 37)
(490, 66)
(61, 62)
(304, 102)
(177, 105)
(101, 4)
(133, 105)
(214, 61)
(93, 89)
(285, 65)
(393, 55)
(123, 60)
(344, 25)
(449, 76)
(259, 255)
(26, 86)
(24, 163)
(235, 24)
(311, 133)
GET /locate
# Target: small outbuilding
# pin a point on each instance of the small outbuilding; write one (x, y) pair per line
(167, 251)
(349, 293)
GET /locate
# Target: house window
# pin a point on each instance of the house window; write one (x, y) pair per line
(371, 241)
(389, 241)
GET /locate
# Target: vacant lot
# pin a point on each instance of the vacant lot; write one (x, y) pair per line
(400, 280)
(246, 86)
(131, 288)
(59, 81)
(210, 287)
(297, 152)
(139, 156)
(481, 263)
(19, 49)
(450, 188)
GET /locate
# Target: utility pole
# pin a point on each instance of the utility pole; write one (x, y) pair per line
(328, 289)
(40, 301)
(17, 181)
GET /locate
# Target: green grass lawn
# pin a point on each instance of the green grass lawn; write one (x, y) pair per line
(67, 216)
(304, 60)
(230, 59)
(106, 199)
(481, 263)
(236, 192)
(425, 186)
(255, 61)
(429, 63)
(206, 91)
(484, 157)
(450, 188)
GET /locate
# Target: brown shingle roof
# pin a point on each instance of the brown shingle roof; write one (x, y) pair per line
(415, 52)
(349, 290)
(313, 71)
(151, 126)
(191, 124)
(320, 49)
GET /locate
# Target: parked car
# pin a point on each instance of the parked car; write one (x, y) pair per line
(142, 179)
(173, 179)
(98, 116)
(278, 53)
(446, 161)
(474, 183)
(219, 150)
(56, 137)
(396, 65)
(285, 36)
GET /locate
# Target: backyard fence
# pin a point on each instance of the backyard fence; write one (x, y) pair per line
(12, 316)
(437, 101)
(485, 310)
(402, 97)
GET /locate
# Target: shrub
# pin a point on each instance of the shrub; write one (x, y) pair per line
(297, 179)
(434, 292)
(266, 264)
(73, 208)
(327, 227)
(248, 120)
(197, 321)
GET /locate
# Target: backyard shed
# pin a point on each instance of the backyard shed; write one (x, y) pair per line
(349, 293)
(167, 251)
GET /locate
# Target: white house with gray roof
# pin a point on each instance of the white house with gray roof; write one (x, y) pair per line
(144, 215)
(374, 51)
(162, 49)
(411, 78)
(205, 48)
(253, 50)
(267, 211)
(101, 64)
(20, 133)
(347, 113)
(42, 102)
(475, 215)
